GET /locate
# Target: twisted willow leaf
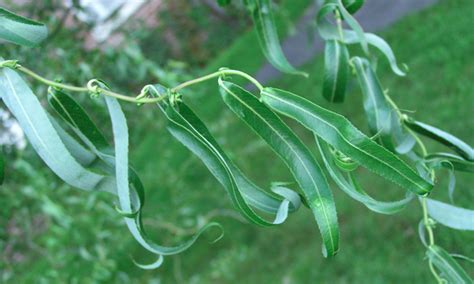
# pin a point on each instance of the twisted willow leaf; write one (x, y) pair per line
(378, 111)
(261, 11)
(451, 216)
(355, 26)
(34, 121)
(450, 161)
(20, 30)
(187, 128)
(296, 155)
(126, 199)
(353, 190)
(449, 268)
(83, 126)
(461, 147)
(254, 195)
(336, 69)
(329, 32)
(337, 131)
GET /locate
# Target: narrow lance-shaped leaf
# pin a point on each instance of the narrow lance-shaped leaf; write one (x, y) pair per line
(294, 153)
(262, 16)
(189, 130)
(336, 69)
(39, 130)
(448, 267)
(20, 30)
(351, 189)
(126, 198)
(378, 111)
(337, 131)
(443, 137)
(451, 216)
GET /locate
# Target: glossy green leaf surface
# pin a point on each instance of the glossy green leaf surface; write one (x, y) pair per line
(377, 110)
(39, 130)
(262, 15)
(450, 270)
(353, 6)
(70, 111)
(293, 152)
(443, 137)
(336, 69)
(20, 30)
(337, 131)
(351, 188)
(451, 216)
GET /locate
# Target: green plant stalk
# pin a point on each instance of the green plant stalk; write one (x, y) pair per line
(106, 92)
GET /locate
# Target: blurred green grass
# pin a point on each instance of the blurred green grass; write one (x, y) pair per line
(436, 44)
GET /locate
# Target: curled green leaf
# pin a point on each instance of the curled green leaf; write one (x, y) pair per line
(88, 132)
(449, 161)
(450, 270)
(187, 128)
(329, 32)
(293, 152)
(261, 11)
(443, 137)
(336, 69)
(352, 188)
(337, 131)
(20, 30)
(127, 200)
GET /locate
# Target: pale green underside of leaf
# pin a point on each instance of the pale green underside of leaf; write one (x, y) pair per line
(337, 131)
(449, 269)
(293, 152)
(451, 216)
(44, 138)
(262, 16)
(20, 30)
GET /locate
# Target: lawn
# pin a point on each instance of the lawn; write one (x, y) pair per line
(437, 45)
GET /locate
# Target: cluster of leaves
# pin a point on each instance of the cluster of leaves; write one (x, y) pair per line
(76, 150)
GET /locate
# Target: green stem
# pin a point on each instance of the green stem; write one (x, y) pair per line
(110, 93)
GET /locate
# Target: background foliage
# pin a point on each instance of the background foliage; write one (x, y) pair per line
(58, 237)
